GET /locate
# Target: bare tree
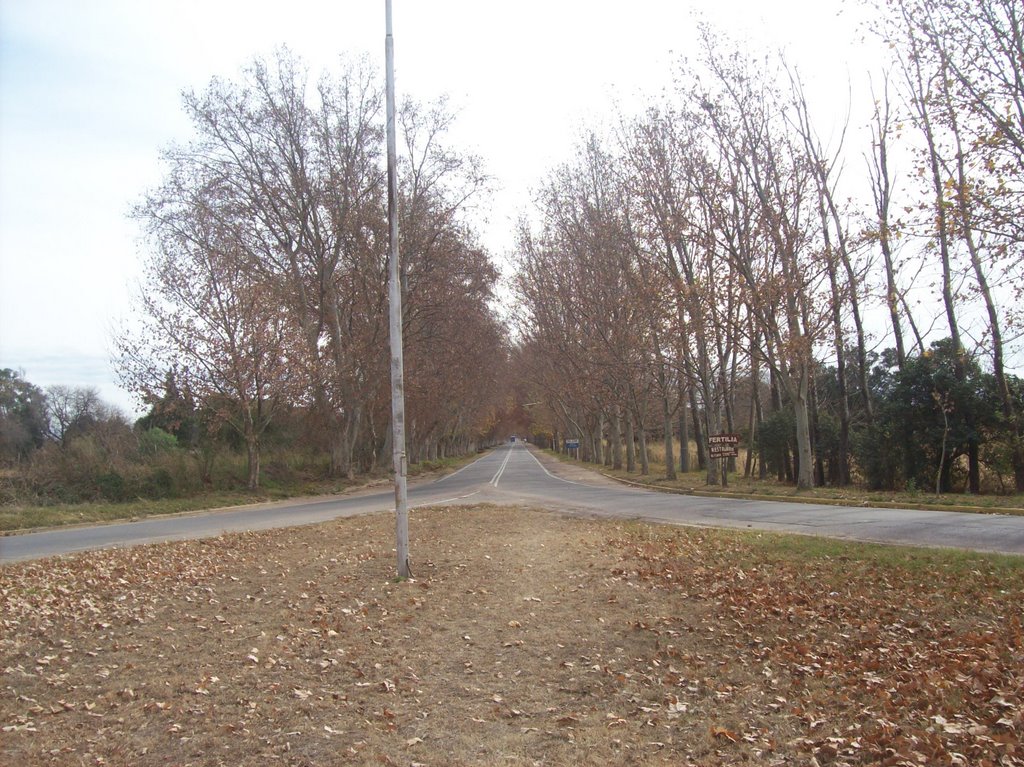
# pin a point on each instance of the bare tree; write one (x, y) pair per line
(305, 174)
(744, 116)
(880, 174)
(70, 409)
(843, 275)
(978, 48)
(206, 309)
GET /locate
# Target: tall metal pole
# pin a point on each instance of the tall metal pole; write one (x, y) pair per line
(395, 315)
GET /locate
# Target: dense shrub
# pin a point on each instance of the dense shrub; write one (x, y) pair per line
(928, 417)
(111, 486)
(776, 439)
(878, 456)
(159, 484)
(156, 441)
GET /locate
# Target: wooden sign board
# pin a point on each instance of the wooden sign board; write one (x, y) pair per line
(724, 445)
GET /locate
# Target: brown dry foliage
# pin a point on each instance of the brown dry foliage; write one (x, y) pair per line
(525, 638)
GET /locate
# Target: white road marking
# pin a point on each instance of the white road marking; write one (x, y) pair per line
(497, 477)
(567, 481)
(445, 500)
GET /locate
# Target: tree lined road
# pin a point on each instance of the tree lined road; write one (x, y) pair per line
(517, 475)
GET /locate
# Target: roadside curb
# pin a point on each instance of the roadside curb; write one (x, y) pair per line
(369, 487)
(817, 501)
(701, 493)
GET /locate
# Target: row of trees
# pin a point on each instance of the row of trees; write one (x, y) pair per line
(31, 417)
(65, 443)
(712, 266)
(265, 280)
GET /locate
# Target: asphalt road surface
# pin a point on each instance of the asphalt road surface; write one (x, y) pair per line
(517, 475)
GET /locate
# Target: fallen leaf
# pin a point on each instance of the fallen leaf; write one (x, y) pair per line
(724, 734)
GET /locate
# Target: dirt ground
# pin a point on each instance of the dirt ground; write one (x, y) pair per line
(525, 638)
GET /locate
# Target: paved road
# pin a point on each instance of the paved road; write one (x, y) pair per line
(517, 475)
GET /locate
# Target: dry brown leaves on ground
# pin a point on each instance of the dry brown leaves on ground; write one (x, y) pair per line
(526, 638)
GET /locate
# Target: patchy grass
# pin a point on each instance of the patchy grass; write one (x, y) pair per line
(15, 517)
(525, 638)
(24, 517)
(695, 482)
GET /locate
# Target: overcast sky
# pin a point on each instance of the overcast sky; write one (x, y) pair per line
(90, 91)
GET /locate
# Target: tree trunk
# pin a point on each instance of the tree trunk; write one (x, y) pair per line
(684, 431)
(805, 474)
(630, 443)
(617, 440)
(670, 458)
(842, 473)
(714, 476)
(752, 420)
(252, 448)
(755, 406)
(645, 458)
(698, 433)
(816, 451)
